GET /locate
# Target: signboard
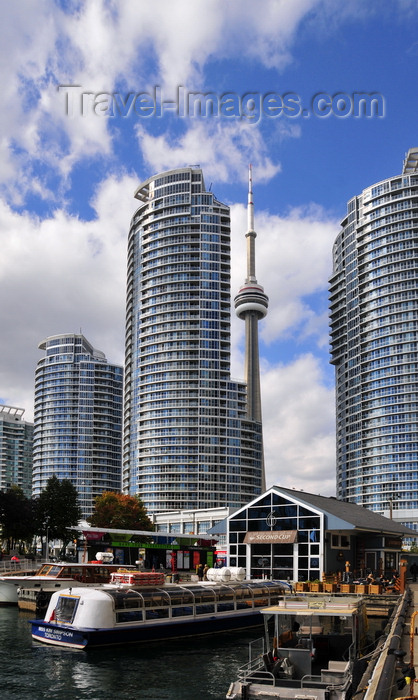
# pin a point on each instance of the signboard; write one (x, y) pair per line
(272, 536)
(93, 535)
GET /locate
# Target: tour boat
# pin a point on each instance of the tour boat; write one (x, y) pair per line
(126, 612)
(52, 576)
(311, 649)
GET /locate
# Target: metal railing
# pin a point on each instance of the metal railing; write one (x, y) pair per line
(7, 566)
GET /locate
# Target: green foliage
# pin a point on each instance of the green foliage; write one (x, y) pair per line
(121, 512)
(17, 517)
(57, 510)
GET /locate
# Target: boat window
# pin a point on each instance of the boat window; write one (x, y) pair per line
(275, 594)
(55, 571)
(126, 599)
(224, 593)
(75, 572)
(243, 592)
(66, 608)
(129, 616)
(182, 610)
(132, 600)
(205, 609)
(156, 613)
(155, 598)
(44, 570)
(203, 595)
(180, 596)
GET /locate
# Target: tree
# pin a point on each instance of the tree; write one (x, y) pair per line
(17, 518)
(57, 510)
(121, 512)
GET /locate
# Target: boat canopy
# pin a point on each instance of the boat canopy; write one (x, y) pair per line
(171, 596)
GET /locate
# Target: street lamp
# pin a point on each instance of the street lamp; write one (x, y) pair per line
(391, 498)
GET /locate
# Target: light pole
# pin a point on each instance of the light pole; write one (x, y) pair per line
(391, 498)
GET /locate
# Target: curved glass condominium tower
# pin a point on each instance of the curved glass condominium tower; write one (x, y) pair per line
(188, 442)
(374, 322)
(78, 419)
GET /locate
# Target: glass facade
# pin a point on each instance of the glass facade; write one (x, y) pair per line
(16, 440)
(298, 558)
(187, 440)
(78, 419)
(374, 325)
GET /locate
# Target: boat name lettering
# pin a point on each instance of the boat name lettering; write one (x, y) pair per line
(55, 635)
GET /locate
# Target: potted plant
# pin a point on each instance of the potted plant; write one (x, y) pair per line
(346, 588)
(329, 587)
(301, 586)
(316, 586)
(362, 588)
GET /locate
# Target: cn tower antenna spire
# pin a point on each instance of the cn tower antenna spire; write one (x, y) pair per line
(250, 210)
(251, 305)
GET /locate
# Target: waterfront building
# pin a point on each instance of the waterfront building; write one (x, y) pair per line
(189, 442)
(78, 419)
(289, 534)
(16, 441)
(374, 321)
(196, 522)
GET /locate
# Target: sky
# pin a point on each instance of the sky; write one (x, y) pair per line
(319, 96)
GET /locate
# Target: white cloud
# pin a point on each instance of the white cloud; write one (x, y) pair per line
(59, 275)
(222, 150)
(293, 262)
(299, 426)
(293, 258)
(130, 45)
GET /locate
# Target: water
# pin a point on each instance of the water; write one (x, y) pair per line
(196, 669)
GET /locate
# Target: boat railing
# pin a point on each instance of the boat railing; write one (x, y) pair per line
(255, 663)
(308, 680)
(255, 671)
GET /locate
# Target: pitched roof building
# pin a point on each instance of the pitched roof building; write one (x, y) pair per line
(289, 534)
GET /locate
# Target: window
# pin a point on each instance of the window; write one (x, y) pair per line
(66, 608)
(340, 542)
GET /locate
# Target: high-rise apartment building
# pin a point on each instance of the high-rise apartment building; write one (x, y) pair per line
(78, 419)
(16, 442)
(374, 322)
(188, 440)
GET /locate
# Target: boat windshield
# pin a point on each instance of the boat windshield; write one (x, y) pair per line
(50, 570)
(66, 608)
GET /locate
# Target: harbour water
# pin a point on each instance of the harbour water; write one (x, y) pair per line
(196, 669)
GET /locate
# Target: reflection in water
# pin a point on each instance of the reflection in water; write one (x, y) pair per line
(176, 670)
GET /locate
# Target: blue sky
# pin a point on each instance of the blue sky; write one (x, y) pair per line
(67, 181)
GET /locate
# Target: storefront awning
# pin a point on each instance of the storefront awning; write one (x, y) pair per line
(281, 536)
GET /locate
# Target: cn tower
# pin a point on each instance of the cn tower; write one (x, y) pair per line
(251, 305)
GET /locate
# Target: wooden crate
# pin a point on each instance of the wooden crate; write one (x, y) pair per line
(301, 586)
(315, 587)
